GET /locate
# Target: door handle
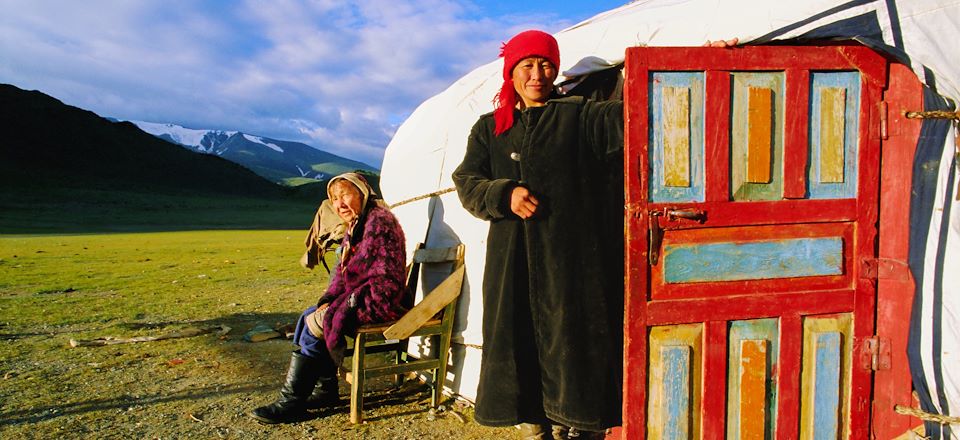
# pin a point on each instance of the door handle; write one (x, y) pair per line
(656, 237)
(686, 213)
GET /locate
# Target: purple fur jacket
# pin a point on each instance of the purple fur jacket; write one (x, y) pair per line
(369, 285)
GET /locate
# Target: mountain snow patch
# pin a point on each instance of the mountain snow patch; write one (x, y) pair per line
(184, 136)
(260, 141)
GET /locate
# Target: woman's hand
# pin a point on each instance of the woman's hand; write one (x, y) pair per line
(722, 43)
(522, 203)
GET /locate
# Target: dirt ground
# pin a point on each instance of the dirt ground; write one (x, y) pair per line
(199, 387)
(57, 288)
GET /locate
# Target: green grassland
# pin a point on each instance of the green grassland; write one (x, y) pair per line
(54, 288)
(80, 210)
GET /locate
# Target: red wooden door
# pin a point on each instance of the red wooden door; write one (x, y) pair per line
(751, 185)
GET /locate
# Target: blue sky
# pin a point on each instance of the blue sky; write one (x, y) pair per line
(334, 74)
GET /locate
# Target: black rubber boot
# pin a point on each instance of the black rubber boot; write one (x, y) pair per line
(326, 394)
(292, 406)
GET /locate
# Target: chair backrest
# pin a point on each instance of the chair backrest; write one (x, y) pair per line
(438, 298)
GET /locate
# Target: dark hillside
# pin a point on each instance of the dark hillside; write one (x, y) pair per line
(44, 142)
(64, 169)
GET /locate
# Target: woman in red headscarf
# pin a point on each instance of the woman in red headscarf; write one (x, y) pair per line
(546, 171)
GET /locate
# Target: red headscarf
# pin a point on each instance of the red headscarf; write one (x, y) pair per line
(526, 44)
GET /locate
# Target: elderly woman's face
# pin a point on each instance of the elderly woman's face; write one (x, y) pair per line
(533, 80)
(346, 200)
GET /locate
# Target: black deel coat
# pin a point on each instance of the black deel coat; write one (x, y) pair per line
(553, 284)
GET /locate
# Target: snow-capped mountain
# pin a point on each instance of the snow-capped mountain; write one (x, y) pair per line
(281, 161)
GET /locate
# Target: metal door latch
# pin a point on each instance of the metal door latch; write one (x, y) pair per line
(670, 215)
(656, 237)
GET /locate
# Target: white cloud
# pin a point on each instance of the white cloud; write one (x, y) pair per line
(338, 75)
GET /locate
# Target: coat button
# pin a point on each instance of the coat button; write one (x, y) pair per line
(515, 156)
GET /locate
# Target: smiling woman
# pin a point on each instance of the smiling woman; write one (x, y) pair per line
(552, 287)
(533, 80)
(346, 200)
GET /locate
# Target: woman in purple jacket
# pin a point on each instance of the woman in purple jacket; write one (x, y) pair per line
(367, 286)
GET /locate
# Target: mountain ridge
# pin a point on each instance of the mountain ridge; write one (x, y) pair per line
(285, 162)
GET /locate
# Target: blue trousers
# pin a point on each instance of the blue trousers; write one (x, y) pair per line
(310, 345)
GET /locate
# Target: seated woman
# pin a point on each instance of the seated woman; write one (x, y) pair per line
(367, 286)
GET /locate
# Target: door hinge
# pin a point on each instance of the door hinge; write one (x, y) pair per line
(883, 120)
(876, 354)
(884, 269)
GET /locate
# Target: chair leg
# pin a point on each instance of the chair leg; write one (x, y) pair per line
(356, 388)
(440, 374)
(397, 378)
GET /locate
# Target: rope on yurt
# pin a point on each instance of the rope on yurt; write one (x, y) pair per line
(425, 196)
(925, 416)
(934, 114)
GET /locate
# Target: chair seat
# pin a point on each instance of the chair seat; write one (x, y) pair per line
(381, 327)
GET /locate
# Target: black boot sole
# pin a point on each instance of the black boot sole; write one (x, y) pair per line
(269, 421)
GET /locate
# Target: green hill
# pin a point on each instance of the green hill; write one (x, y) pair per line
(65, 169)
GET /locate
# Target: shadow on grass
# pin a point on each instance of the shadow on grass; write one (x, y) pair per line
(270, 356)
(407, 394)
(39, 414)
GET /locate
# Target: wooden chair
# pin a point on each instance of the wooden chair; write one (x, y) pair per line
(433, 316)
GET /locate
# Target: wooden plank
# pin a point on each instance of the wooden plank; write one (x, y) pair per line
(788, 381)
(893, 386)
(432, 303)
(752, 260)
(636, 163)
(829, 119)
(675, 416)
(753, 389)
(752, 394)
(795, 146)
(833, 101)
(717, 128)
(404, 367)
(768, 58)
(759, 134)
(756, 158)
(675, 107)
(666, 407)
(857, 406)
(665, 85)
(437, 255)
(714, 390)
(732, 237)
(720, 307)
(356, 385)
(826, 340)
(826, 386)
(719, 214)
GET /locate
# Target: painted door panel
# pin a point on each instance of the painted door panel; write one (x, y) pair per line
(751, 182)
